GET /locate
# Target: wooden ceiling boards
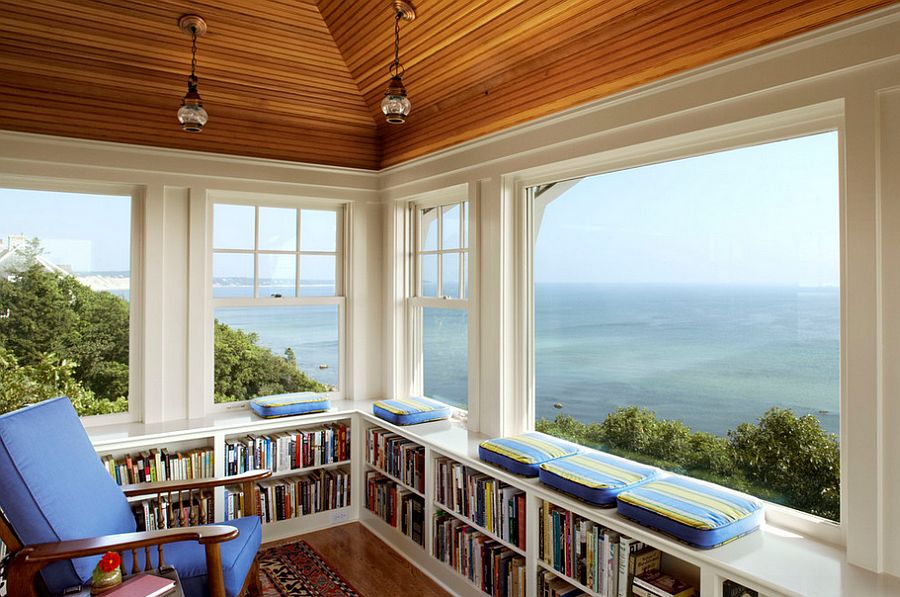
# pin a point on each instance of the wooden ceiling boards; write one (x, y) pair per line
(302, 81)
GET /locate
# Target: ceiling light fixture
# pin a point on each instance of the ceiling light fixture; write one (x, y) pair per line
(395, 104)
(191, 115)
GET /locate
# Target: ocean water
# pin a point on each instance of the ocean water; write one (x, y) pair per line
(710, 356)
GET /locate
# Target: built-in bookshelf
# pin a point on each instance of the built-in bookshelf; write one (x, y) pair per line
(160, 464)
(397, 457)
(396, 505)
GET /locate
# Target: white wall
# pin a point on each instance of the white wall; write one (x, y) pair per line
(174, 188)
(845, 77)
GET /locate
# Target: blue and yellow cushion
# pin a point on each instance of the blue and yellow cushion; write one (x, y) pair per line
(410, 411)
(595, 477)
(697, 513)
(523, 454)
(283, 405)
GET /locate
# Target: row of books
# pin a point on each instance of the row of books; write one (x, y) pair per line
(489, 503)
(610, 564)
(178, 511)
(160, 465)
(396, 505)
(397, 456)
(287, 451)
(551, 585)
(493, 568)
(283, 499)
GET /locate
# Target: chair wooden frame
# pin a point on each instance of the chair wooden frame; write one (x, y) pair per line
(26, 561)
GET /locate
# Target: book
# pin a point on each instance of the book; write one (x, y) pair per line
(733, 589)
(660, 584)
(142, 585)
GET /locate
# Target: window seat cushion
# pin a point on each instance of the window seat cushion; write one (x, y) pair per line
(700, 514)
(411, 411)
(284, 405)
(524, 454)
(595, 477)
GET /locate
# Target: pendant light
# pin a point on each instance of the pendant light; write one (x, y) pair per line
(191, 115)
(395, 104)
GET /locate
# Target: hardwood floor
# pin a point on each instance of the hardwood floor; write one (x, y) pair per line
(370, 565)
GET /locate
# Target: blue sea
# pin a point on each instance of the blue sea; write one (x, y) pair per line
(710, 356)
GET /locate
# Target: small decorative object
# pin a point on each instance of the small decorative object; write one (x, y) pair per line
(191, 115)
(107, 574)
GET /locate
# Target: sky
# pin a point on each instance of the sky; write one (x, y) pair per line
(761, 215)
(91, 233)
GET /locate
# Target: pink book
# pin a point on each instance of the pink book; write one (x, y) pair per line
(142, 585)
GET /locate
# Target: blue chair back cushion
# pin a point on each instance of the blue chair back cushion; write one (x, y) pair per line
(595, 477)
(700, 514)
(411, 411)
(54, 487)
(524, 454)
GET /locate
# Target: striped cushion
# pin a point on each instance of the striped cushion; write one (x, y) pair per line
(283, 405)
(700, 514)
(409, 411)
(523, 454)
(595, 477)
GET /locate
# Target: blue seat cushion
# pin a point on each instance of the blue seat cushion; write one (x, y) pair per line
(54, 488)
(697, 513)
(594, 476)
(284, 405)
(410, 411)
(189, 559)
(524, 454)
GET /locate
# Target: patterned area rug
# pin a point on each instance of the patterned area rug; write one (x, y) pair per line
(297, 570)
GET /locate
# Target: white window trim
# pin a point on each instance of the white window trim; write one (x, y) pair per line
(810, 120)
(415, 304)
(136, 336)
(211, 304)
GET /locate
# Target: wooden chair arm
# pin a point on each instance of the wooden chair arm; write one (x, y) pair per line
(28, 561)
(138, 489)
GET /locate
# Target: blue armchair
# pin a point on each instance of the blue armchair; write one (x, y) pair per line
(60, 510)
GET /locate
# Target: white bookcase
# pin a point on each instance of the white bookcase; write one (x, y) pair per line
(771, 561)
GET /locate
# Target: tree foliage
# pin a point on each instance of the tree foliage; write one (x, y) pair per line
(781, 457)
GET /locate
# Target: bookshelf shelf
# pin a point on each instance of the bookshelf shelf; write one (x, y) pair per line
(479, 528)
(545, 566)
(371, 517)
(381, 471)
(305, 471)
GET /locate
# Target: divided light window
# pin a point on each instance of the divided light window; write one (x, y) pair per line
(65, 282)
(440, 302)
(687, 314)
(277, 300)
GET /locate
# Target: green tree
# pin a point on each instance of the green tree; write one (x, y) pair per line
(245, 370)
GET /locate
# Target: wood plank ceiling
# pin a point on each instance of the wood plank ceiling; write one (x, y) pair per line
(301, 80)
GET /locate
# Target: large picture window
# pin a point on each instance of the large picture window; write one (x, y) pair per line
(440, 303)
(687, 314)
(277, 301)
(65, 291)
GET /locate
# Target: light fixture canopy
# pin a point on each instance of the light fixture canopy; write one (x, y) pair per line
(396, 106)
(191, 115)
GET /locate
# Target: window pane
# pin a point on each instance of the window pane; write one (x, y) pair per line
(705, 291)
(317, 275)
(445, 355)
(277, 275)
(232, 275)
(318, 230)
(277, 229)
(450, 275)
(234, 226)
(429, 267)
(465, 278)
(450, 227)
(65, 278)
(260, 351)
(466, 225)
(429, 232)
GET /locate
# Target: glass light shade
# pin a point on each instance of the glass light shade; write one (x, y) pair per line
(192, 117)
(396, 108)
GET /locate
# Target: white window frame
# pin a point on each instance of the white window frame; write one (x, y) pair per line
(810, 120)
(341, 280)
(416, 303)
(136, 290)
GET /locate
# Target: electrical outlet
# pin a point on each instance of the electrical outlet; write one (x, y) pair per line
(340, 517)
